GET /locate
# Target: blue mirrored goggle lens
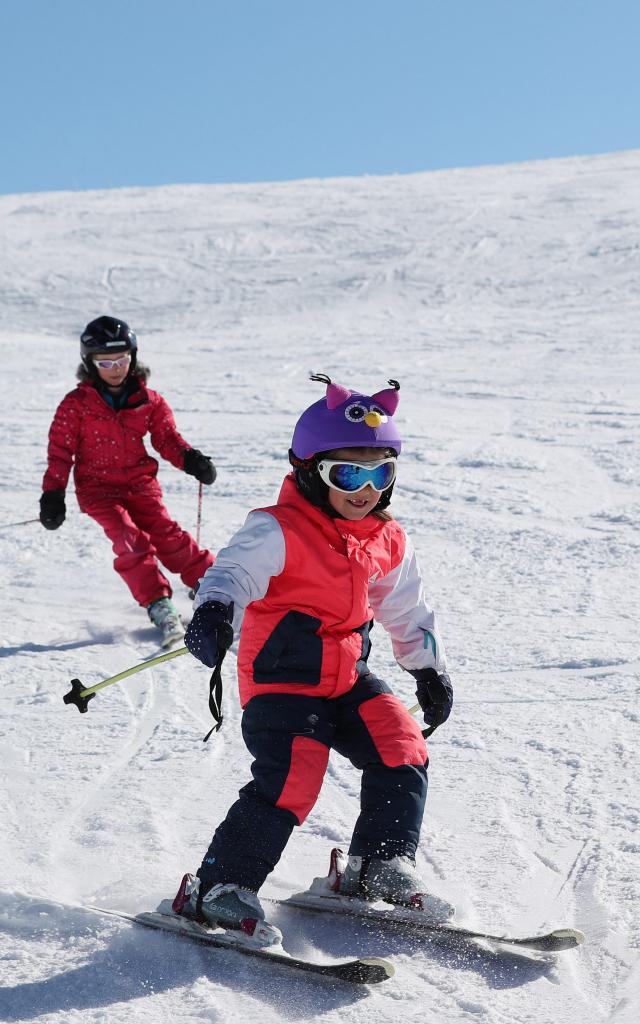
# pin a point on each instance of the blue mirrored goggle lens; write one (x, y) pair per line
(349, 477)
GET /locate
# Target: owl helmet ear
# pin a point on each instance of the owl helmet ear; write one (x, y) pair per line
(336, 395)
(389, 397)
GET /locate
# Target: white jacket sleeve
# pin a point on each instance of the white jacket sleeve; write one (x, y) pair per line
(243, 569)
(400, 606)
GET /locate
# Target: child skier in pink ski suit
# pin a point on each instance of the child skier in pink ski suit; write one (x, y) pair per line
(303, 581)
(98, 429)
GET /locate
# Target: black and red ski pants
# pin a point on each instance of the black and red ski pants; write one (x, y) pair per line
(290, 737)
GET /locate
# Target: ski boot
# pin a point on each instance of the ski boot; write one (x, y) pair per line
(396, 881)
(226, 906)
(164, 615)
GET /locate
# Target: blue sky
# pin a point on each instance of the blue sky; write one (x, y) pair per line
(105, 93)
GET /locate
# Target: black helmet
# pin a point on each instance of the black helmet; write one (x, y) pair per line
(107, 334)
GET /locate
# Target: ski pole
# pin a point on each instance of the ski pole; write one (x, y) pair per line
(24, 522)
(81, 695)
(425, 732)
(199, 519)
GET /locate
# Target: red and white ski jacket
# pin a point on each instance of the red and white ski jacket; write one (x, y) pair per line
(105, 445)
(305, 586)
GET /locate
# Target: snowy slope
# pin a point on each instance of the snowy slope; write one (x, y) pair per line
(506, 300)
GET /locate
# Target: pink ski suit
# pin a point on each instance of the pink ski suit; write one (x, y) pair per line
(116, 483)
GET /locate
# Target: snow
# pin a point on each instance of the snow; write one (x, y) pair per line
(506, 301)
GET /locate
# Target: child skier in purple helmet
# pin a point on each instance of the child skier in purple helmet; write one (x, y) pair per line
(302, 581)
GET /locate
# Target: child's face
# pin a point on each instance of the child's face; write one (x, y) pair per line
(358, 505)
(115, 375)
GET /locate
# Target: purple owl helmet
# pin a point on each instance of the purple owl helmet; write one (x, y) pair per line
(342, 419)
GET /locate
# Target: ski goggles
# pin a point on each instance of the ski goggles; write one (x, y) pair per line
(353, 476)
(110, 364)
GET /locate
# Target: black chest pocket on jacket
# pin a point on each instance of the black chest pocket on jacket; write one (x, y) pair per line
(293, 652)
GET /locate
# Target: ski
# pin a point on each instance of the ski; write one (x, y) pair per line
(365, 971)
(418, 923)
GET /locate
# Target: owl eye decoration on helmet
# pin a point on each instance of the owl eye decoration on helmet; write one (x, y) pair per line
(356, 412)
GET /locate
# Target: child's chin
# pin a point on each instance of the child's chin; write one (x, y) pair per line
(353, 512)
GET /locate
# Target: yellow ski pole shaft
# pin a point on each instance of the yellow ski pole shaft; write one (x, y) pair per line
(425, 732)
(81, 695)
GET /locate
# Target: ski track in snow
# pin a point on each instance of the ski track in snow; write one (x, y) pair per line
(506, 300)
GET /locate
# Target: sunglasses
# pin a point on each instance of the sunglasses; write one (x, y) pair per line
(353, 476)
(110, 364)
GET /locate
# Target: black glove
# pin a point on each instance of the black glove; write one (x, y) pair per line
(52, 509)
(199, 465)
(435, 696)
(210, 631)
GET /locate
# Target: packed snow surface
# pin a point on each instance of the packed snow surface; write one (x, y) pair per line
(507, 301)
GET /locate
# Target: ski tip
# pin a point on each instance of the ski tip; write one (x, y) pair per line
(570, 936)
(366, 971)
(384, 967)
(553, 942)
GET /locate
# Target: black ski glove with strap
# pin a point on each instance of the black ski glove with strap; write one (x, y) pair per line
(52, 509)
(210, 632)
(199, 465)
(435, 696)
(208, 637)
